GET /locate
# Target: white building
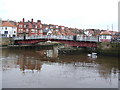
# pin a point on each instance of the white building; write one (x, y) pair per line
(105, 36)
(8, 29)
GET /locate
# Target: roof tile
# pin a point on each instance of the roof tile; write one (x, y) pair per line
(7, 24)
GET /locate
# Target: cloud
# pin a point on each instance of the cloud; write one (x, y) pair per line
(73, 13)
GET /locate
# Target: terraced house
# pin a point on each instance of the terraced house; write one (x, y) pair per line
(29, 28)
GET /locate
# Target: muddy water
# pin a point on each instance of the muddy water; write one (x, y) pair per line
(47, 69)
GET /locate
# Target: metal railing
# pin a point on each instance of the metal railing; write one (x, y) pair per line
(58, 37)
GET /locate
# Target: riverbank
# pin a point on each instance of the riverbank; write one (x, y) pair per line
(109, 49)
(68, 50)
(4, 41)
(36, 46)
(114, 52)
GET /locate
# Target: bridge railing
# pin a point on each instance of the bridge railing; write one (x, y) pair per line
(18, 38)
(59, 37)
(81, 38)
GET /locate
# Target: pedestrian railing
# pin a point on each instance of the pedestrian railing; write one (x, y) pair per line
(58, 37)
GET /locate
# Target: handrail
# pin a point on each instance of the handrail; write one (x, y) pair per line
(58, 37)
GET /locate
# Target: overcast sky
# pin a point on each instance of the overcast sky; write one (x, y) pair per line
(82, 14)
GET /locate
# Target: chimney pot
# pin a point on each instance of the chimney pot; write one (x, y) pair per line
(32, 20)
(23, 20)
(38, 20)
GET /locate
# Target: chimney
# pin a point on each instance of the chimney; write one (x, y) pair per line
(38, 21)
(23, 20)
(38, 24)
(32, 20)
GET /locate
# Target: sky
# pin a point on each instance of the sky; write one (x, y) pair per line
(82, 14)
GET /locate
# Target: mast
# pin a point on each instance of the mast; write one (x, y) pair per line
(112, 29)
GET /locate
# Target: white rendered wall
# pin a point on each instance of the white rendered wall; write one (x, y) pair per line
(107, 37)
(11, 31)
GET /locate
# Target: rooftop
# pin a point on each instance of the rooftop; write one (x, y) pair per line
(105, 33)
(8, 24)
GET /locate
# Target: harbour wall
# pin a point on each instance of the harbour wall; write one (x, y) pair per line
(5, 41)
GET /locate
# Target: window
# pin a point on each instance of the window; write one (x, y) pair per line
(20, 30)
(41, 31)
(36, 31)
(27, 30)
(104, 37)
(40, 26)
(46, 28)
(13, 27)
(5, 32)
(32, 31)
(35, 26)
(20, 26)
(13, 35)
(109, 37)
(6, 28)
(4, 35)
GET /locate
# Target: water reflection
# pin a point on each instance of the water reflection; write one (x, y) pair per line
(52, 53)
(28, 64)
(77, 70)
(92, 56)
(49, 53)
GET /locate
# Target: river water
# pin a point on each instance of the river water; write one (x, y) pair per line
(46, 68)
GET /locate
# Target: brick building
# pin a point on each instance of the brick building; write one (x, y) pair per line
(29, 28)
